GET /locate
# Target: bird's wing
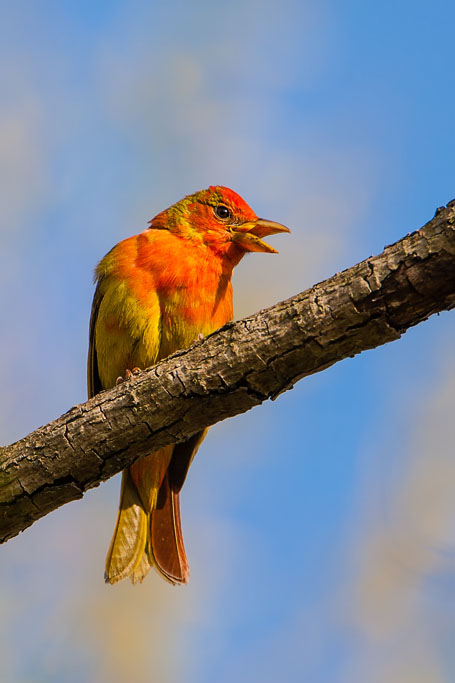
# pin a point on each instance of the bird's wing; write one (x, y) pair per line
(125, 326)
(93, 378)
(182, 458)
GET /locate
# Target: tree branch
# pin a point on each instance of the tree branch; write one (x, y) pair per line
(229, 372)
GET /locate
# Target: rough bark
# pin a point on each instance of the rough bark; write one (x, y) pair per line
(229, 372)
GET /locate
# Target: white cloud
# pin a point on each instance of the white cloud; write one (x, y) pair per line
(23, 164)
(408, 539)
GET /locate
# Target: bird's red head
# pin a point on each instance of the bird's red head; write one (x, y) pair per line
(221, 219)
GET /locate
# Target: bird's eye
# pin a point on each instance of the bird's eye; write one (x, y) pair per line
(222, 212)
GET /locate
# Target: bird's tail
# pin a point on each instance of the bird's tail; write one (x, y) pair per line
(148, 531)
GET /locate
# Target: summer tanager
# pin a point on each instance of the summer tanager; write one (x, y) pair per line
(157, 292)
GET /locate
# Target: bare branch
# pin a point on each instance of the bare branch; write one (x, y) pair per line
(229, 372)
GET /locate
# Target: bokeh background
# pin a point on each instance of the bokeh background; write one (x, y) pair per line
(320, 528)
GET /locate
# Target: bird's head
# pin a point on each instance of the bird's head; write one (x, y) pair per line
(221, 219)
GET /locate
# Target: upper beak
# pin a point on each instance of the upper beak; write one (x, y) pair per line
(249, 235)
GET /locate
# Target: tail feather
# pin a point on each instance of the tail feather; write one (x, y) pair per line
(145, 564)
(166, 538)
(130, 534)
(148, 530)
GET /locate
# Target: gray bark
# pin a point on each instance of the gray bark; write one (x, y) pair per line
(229, 372)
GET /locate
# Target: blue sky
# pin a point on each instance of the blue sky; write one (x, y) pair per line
(320, 527)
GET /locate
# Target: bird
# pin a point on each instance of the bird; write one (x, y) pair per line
(157, 292)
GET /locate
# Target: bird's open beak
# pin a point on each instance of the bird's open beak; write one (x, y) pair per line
(249, 235)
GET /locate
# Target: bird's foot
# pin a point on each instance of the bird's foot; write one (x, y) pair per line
(128, 374)
(199, 338)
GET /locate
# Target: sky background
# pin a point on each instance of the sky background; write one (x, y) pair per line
(320, 528)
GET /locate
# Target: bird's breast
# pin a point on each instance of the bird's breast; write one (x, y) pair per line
(193, 286)
(187, 312)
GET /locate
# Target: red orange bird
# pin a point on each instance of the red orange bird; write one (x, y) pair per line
(156, 293)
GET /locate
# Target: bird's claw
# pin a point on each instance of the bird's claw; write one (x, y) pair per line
(128, 374)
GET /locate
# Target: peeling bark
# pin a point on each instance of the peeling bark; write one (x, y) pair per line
(238, 367)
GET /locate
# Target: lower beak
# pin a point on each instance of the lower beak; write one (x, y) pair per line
(249, 235)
